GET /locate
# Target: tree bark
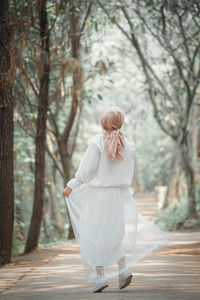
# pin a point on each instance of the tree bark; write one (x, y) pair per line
(190, 179)
(75, 36)
(174, 187)
(77, 86)
(192, 211)
(34, 230)
(183, 168)
(189, 152)
(46, 217)
(20, 222)
(6, 139)
(57, 217)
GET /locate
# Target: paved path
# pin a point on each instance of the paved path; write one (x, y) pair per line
(57, 274)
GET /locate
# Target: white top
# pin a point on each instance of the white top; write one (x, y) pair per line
(97, 169)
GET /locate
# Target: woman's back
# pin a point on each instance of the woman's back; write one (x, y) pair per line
(113, 172)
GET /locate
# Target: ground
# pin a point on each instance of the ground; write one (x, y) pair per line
(56, 273)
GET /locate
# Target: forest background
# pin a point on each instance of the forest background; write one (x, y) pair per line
(62, 64)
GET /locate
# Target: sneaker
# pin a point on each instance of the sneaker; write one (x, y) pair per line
(100, 284)
(125, 279)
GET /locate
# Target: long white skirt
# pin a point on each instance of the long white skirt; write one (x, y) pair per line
(108, 227)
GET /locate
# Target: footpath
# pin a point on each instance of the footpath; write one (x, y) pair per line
(55, 273)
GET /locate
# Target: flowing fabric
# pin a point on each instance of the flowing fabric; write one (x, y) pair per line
(111, 121)
(104, 214)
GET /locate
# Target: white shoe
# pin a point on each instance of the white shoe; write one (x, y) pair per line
(100, 284)
(125, 279)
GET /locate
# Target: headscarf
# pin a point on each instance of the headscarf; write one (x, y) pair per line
(111, 121)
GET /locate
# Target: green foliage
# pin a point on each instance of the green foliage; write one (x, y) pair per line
(18, 247)
(112, 75)
(123, 84)
(174, 217)
(168, 218)
(51, 237)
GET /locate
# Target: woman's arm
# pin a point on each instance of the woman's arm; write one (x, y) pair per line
(87, 169)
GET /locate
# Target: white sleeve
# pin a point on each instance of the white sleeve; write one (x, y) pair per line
(88, 166)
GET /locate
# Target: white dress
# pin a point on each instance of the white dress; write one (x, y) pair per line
(104, 214)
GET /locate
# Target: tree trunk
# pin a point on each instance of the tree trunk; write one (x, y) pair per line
(192, 211)
(75, 36)
(175, 182)
(57, 217)
(20, 223)
(185, 163)
(190, 179)
(45, 222)
(6, 139)
(34, 230)
(195, 138)
(46, 217)
(190, 158)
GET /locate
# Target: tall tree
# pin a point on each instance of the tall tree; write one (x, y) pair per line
(65, 97)
(34, 230)
(66, 138)
(175, 28)
(6, 138)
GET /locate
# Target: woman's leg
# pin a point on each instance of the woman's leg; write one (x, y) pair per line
(101, 281)
(125, 275)
(122, 263)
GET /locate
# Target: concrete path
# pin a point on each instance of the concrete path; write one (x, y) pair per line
(56, 273)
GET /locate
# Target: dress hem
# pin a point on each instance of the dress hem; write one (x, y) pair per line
(150, 250)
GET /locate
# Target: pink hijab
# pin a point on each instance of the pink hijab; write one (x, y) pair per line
(111, 121)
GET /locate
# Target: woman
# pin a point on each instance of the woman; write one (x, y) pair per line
(111, 232)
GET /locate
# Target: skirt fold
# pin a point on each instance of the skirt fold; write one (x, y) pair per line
(107, 226)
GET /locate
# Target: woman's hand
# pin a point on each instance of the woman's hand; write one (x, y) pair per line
(67, 191)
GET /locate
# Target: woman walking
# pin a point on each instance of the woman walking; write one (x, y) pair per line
(111, 233)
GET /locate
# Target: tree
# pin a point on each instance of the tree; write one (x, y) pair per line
(66, 138)
(175, 29)
(66, 74)
(40, 141)
(6, 138)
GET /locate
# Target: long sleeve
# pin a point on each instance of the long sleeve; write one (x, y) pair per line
(87, 167)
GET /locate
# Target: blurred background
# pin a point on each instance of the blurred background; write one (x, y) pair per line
(70, 60)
